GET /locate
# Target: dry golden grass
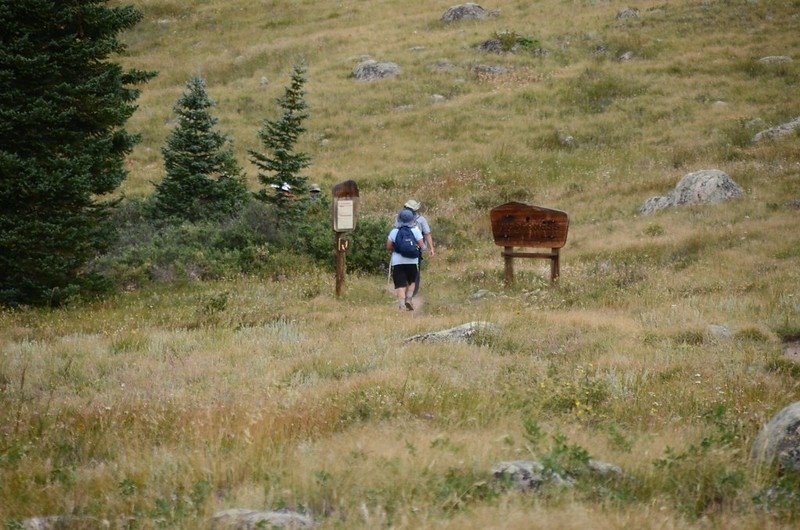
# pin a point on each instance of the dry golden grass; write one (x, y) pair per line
(160, 407)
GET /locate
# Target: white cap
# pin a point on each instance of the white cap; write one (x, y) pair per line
(413, 205)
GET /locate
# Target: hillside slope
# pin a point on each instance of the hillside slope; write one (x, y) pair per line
(660, 349)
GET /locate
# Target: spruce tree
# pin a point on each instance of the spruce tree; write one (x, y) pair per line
(280, 167)
(203, 179)
(63, 105)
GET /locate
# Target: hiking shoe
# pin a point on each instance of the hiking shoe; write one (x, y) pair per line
(408, 304)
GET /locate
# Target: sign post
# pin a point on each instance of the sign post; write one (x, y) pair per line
(344, 210)
(515, 224)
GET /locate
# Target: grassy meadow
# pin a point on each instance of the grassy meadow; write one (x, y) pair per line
(159, 406)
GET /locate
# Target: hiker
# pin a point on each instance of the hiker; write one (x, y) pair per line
(314, 192)
(405, 242)
(285, 189)
(425, 228)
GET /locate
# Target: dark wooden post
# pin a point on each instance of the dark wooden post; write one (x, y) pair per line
(554, 266)
(509, 261)
(340, 245)
(344, 209)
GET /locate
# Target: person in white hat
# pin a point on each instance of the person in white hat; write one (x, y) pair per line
(314, 192)
(422, 223)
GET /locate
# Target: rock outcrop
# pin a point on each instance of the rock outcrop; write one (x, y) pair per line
(464, 333)
(241, 519)
(468, 11)
(709, 186)
(370, 70)
(779, 440)
(784, 129)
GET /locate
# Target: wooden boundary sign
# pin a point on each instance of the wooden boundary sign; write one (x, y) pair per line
(516, 224)
(344, 210)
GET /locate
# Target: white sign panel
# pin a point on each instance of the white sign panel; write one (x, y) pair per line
(344, 215)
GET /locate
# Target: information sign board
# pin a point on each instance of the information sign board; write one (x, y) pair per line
(516, 224)
(344, 215)
(345, 206)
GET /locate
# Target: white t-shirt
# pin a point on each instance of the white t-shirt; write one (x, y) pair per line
(397, 259)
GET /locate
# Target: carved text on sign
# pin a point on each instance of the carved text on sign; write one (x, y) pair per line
(516, 224)
(545, 231)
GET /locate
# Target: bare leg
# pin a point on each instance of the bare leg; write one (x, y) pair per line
(409, 295)
(400, 293)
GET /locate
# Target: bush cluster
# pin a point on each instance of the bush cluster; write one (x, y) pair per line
(250, 242)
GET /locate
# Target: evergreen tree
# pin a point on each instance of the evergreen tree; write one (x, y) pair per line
(203, 179)
(63, 105)
(280, 167)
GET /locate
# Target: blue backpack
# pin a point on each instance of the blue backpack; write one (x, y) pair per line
(405, 244)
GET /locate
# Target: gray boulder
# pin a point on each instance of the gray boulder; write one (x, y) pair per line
(527, 475)
(489, 70)
(784, 129)
(708, 186)
(719, 331)
(241, 519)
(779, 440)
(463, 333)
(604, 469)
(627, 12)
(442, 66)
(491, 46)
(775, 59)
(791, 350)
(481, 294)
(371, 70)
(64, 522)
(567, 140)
(468, 11)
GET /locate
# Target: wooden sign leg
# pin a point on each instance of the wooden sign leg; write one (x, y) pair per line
(554, 266)
(509, 261)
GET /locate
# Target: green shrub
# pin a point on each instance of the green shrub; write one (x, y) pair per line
(367, 251)
(700, 478)
(251, 242)
(595, 90)
(449, 234)
(462, 486)
(708, 474)
(153, 250)
(511, 41)
(783, 70)
(654, 230)
(751, 334)
(689, 337)
(740, 133)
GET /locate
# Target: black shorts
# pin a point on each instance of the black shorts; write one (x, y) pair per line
(404, 275)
